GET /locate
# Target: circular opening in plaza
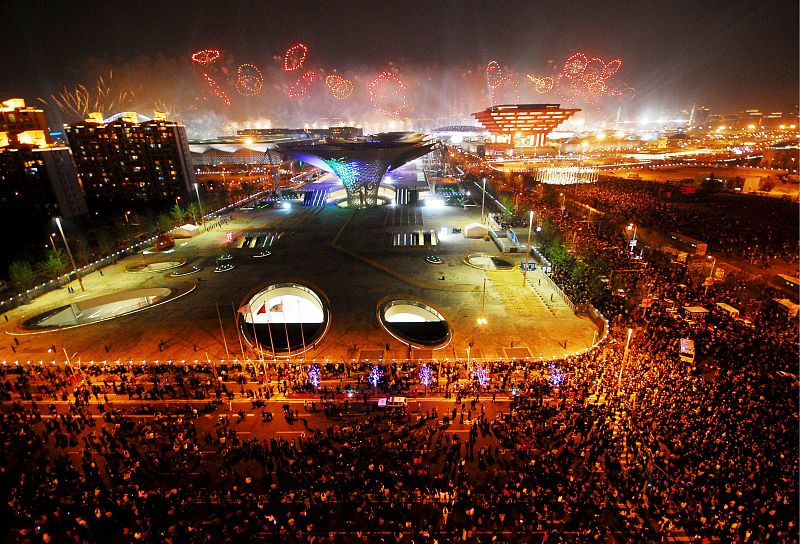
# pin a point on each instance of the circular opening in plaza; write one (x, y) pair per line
(344, 203)
(97, 309)
(415, 323)
(488, 262)
(284, 319)
(157, 266)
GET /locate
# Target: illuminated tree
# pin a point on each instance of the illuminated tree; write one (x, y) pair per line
(21, 274)
(178, 213)
(55, 263)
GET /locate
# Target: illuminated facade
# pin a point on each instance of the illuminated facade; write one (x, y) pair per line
(128, 159)
(23, 124)
(524, 125)
(566, 175)
(361, 164)
(38, 179)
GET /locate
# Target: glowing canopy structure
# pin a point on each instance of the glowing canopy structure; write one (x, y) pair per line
(361, 164)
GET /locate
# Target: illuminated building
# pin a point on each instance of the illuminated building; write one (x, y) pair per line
(16, 118)
(523, 125)
(224, 153)
(128, 159)
(361, 164)
(256, 147)
(330, 132)
(38, 180)
(565, 175)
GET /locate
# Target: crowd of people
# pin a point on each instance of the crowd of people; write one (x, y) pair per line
(756, 229)
(625, 443)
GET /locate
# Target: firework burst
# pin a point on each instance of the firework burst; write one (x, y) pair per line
(82, 100)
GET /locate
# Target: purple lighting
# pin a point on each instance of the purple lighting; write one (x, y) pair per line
(375, 375)
(556, 376)
(426, 375)
(481, 376)
(313, 376)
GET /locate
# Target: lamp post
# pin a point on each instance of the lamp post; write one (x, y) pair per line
(52, 241)
(71, 259)
(483, 198)
(710, 278)
(624, 358)
(200, 205)
(483, 298)
(528, 249)
(633, 237)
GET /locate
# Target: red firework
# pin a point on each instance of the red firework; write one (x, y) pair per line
(587, 78)
(340, 87)
(388, 94)
(205, 57)
(493, 74)
(299, 89)
(542, 85)
(218, 92)
(504, 82)
(249, 80)
(295, 57)
(495, 79)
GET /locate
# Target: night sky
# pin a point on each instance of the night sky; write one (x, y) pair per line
(729, 55)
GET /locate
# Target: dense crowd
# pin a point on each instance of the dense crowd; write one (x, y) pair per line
(589, 450)
(752, 228)
(616, 445)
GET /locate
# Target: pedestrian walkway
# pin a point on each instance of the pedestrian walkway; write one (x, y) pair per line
(518, 299)
(550, 298)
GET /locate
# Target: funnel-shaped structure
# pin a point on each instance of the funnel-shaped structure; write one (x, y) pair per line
(361, 164)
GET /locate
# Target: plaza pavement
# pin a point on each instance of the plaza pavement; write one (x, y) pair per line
(348, 256)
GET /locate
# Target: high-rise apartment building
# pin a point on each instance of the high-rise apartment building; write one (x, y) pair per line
(16, 117)
(130, 159)
(38, 180)
(38, 183)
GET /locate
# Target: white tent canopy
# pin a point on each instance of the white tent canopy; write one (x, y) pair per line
(475, 230)
(186, 231)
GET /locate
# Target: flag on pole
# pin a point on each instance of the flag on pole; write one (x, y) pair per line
(263, 309)
(277, 308)
(244, 309)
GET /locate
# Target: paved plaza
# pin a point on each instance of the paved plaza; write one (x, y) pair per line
(348, 256)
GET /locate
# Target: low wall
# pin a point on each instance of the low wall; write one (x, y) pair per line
(121, 296)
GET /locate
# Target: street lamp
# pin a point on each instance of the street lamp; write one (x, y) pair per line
(482, 319)
(624, 358)
(633, 227)
(563, 201)
(528, 249)
(126, 216)
(483, 198)
(72, 260)
(52, 241)
(483, 299)
(710, 278)
(199, 204)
